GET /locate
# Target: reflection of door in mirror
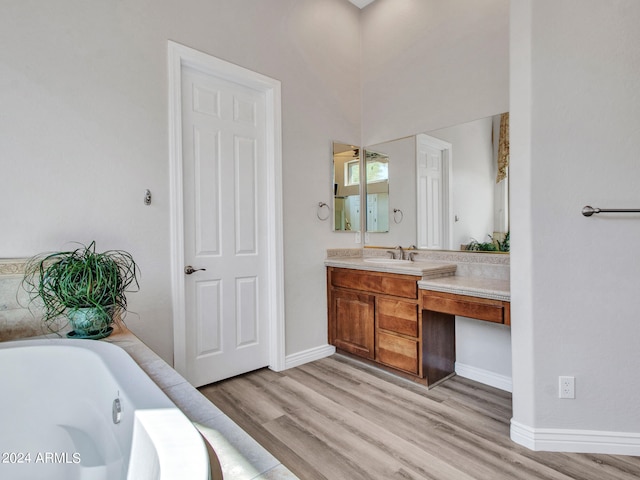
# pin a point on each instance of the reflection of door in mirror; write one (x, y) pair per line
(346, 187)
(479, 207)
(377, 185)
(433, 173)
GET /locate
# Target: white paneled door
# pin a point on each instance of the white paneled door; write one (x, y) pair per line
(433, 164)
(225, 240)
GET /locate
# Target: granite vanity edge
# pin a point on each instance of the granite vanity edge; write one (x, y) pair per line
(461, 289)
(445, 256)
(413, 268)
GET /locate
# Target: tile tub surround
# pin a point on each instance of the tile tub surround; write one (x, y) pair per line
(240, 456)
(16, 321)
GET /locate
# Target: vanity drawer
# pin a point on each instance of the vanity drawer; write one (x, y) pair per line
(465, 306)
(376, 282)
(398, 352)
(398, 316)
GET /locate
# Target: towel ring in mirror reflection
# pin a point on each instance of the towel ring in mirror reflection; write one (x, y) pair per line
(397, 215)
(320, 213)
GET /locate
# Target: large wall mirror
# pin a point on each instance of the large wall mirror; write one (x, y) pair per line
(453, 186)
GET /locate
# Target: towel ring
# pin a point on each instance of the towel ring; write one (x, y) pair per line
(397, 215)
(322, 205)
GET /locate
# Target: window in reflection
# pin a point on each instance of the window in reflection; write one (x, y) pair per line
(377, 170)
(346, 187)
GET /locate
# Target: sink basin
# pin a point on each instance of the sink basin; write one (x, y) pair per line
(386, 261)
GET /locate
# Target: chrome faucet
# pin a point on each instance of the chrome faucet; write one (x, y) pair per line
(392, 253)
(410, 255)
(401, 257)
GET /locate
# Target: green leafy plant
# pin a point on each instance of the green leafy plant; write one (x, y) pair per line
(505, 244)
(494, 245)
(64, 283)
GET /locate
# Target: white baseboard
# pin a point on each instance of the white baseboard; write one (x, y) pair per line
(484, 376)
(577, 441)
(309, 355)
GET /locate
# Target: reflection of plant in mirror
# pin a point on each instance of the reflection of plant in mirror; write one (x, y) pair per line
(495, 245)
(504, 245)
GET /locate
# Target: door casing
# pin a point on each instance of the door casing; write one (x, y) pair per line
(179, 56)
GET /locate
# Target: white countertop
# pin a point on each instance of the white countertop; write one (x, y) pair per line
(436, 276)
(472, 286)
(418, 268)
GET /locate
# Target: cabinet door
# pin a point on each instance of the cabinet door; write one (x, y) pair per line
(353, 322)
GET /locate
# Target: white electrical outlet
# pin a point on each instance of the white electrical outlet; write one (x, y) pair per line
(567, 387)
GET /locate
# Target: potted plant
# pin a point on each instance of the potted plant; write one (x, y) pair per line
(86, 287)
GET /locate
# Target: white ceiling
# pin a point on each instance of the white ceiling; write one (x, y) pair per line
(361, 3)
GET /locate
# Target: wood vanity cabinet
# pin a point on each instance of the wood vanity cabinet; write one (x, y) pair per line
(376, 316)
(384, 318)
(489, 310)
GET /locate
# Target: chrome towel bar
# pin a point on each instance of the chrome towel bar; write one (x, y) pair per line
(588, 211)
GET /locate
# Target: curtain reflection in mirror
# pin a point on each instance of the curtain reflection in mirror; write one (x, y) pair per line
(503, 148)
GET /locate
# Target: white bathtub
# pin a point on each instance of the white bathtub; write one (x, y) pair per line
(57, 417)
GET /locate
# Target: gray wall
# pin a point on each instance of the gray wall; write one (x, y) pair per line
(83, 131)
(431, 64)
(575, 118)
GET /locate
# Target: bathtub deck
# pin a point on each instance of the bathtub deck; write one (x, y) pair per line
(240, 456)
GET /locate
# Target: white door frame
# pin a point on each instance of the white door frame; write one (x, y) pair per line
(179, 56)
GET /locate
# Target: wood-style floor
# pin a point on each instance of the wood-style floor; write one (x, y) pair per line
(339, 419)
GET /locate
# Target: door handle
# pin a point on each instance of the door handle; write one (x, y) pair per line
(189, 269)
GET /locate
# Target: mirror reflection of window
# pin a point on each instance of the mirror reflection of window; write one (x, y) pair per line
(352, 172)
(377, 210)
(377, 170)
(346, 187)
